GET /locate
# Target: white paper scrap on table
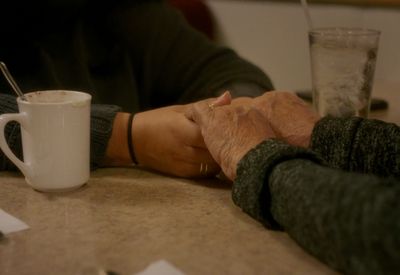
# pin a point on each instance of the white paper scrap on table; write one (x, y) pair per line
(10, 224)
(161, 267)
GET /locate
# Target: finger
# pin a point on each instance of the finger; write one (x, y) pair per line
(201, 112)
(197, 111)
(195, 155)
(199, 155)
(206, 170)
(192, 135)
(202, 164)
(195, 162)
(193, 110)
(224, 99)
(195, 170)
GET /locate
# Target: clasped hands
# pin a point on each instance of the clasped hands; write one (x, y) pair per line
(231, 128)
(199, 139)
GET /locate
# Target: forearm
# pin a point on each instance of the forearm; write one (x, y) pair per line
(347, 220)
(355, 144)
(250, 188)
(116, 152)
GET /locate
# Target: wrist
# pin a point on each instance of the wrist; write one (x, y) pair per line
(129, 139)
(140, 137)
(117, 153)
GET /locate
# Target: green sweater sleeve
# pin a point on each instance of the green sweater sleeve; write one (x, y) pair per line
(102, 118)
(250, 189)
(138, 55)
(350, 221)
(359, 145)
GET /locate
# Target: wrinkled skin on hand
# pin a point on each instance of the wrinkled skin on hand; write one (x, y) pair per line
(290, 118)
(229, 131)
(166, 141)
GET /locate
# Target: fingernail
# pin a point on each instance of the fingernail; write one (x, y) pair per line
(225, 96)
(226, 93)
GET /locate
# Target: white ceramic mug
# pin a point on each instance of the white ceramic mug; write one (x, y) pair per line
(55, 129)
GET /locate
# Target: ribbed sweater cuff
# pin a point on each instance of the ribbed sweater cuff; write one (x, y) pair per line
(12, 131)
(8, 104)
(333, 138)
(376, 149)
(251, 189)
(102, 119)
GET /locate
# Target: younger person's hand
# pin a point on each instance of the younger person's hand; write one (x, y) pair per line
(166, 141)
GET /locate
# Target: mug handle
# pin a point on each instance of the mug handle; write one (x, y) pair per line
(22, 119)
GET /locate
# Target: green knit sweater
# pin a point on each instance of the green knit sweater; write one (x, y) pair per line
(134, 54)
(339, 200)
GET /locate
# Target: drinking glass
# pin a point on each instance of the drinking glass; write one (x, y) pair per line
(342, 67)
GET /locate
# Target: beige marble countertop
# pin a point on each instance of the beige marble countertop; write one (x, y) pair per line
(126, 218)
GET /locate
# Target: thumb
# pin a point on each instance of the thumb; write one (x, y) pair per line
(224, 99)
(198, 110)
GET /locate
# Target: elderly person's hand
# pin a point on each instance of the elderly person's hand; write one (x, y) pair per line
(290, 118)
(229, 131)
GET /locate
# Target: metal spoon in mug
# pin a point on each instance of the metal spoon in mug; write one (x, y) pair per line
(11, 80)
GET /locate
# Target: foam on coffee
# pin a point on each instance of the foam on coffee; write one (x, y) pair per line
(55, 96)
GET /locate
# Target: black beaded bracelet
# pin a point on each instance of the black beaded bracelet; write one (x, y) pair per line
(130, 144)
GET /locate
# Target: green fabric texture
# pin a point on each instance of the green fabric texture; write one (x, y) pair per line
(365, 146)
(134, 54)
(347, 219)
(138, 55)
(250, 190)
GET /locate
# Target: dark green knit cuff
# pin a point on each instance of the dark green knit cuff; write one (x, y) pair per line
(380, 142)
(251, 189)
(8, 104)
(332, 139)
(102, 120)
